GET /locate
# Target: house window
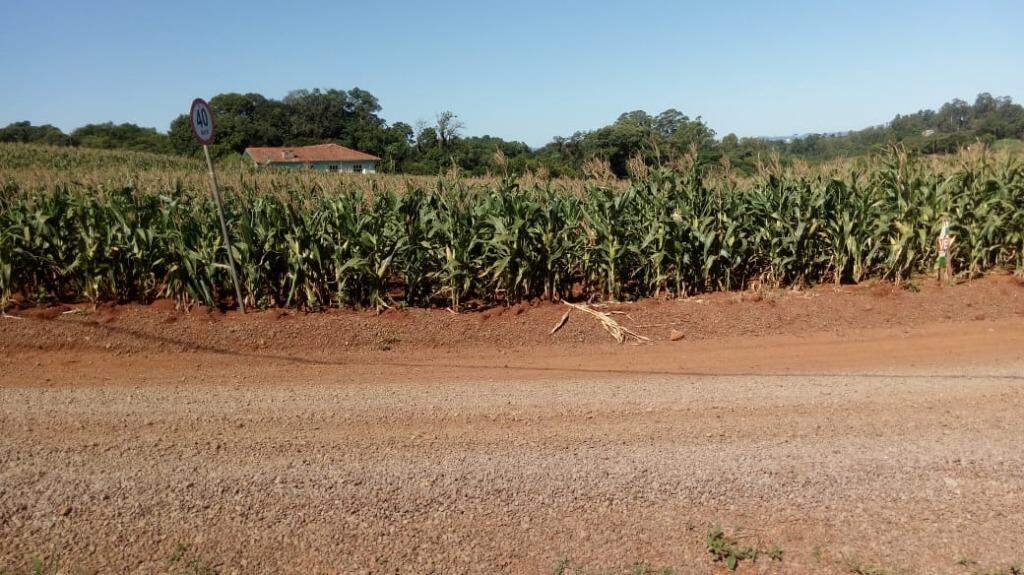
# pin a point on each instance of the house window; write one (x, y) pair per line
(332, 168)
(357, 168)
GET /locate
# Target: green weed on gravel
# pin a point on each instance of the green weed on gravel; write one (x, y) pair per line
(565, 566)
(38, 565)
(728, 550)
(1015, 569)
(184, 561)
(858, 568)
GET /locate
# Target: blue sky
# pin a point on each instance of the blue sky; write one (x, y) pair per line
(519, 70)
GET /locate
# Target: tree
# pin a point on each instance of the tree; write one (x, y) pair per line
(448, 128)
(244, 120)
(427, 139)
(26, 133)
(954, 116)
(679, 133)
(122, 136)
(318, 115)
(659, 138)
(180, 136)
(398, 147)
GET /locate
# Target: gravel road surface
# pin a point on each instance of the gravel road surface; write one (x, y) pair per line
(189, 462)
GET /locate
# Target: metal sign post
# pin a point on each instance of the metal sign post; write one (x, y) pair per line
(202, 128)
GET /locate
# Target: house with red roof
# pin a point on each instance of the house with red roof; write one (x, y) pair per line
(324, 157)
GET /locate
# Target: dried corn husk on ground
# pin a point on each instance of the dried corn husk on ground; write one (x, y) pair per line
(617, 330)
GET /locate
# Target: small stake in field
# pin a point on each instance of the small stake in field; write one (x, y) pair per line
(202, 128)
(945, 242)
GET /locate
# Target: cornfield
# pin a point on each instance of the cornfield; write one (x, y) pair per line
(124, 234)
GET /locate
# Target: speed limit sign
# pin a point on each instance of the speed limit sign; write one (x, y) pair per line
(202, 121)
(202, 128)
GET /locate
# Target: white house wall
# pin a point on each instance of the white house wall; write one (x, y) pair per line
(369, 166)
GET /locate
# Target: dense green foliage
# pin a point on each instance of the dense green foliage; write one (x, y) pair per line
(655, 139)
(104, 136)
(954, 125)
(26, 133)
(112, 136)
(676, 231)
(351, 118)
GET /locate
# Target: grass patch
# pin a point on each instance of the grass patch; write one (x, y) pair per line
(1014, 569)
(565, 566)
(855, 566)
(38, 565)
(726, 549)
(774, 552)
(184, 561)
(387, 343)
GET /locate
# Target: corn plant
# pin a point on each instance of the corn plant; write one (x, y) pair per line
(150, 230)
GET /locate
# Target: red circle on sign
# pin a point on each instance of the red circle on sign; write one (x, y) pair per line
(204, 135)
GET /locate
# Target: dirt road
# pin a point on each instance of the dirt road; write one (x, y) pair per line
(898, 449)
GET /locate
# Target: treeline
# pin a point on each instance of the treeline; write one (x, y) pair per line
(954, 125)
(352, 118)
(105, 136)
